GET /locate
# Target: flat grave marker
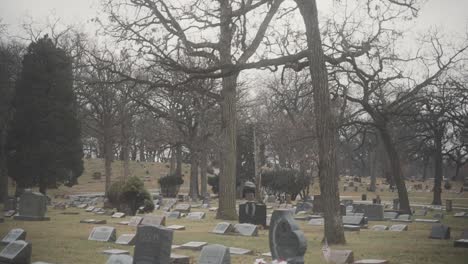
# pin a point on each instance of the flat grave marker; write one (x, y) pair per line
(214, 254)
(103, 234)
(223, 228)
(126, 239)
(14, 235)
(246, 229)
(18, 251)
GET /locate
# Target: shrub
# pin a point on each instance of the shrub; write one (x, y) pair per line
(170, 185)
(130, 195)
(285, 181)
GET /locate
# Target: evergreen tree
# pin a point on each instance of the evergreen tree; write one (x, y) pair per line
(44, 139)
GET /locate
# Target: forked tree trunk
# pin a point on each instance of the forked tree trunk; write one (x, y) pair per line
(437, 199)
(395, 168)
(325, 123)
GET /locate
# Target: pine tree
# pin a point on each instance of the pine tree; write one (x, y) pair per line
(44, 139)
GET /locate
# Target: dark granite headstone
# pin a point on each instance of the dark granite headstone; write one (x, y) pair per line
(287, 241)
(120, 259)
(215, 254)
(373, 212)
(246, 229)
(13, 235)
(17, 252)
(354, 220)
(126, 239)
(252, 213)
(440, 231)
(32, 207)
(153, 245)
(103, 233)
(154, 220)
(222, 228)
(318, 204)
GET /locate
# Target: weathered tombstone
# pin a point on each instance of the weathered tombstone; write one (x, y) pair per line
(421, 212)
(183, 208)
(10, 204)
(373, 212)
(239, 251)
(153, 245)
(246, 229)
(176, 227)
(196, 215)
(173, 215)
(341, 256)
(103, 234)
(354, 220)
(193, 245)
(287, 241)
(32, 207)
(398, 228)
(459, 214)
(120, 259)
(214, 254)
(9, 213)
(252, 213)
(16, 252)
(379, 228)
(318, 204)
(126, 239)
(13, 235)
(135, 221)
(440, 231)
(390, 215)
(448, 205)
(222, 228)
(118, 215)
(158, 220)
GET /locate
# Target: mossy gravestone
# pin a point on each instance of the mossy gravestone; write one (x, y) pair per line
(287, 241)
(215, 254)
(18, 252)
(32, 207)
(153, 245)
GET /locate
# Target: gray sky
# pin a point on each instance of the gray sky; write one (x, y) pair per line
(449, 15)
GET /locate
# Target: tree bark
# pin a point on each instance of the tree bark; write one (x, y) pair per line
(325, 123)
(194, 193)
(178, 170)
(395, 168)
(172, 162)
(3, 167)
(437, 198)
(125, 148)
(142, 150)
(108, 153)
(203, 168)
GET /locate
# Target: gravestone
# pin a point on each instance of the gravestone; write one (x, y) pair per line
(153, 245)
(354, 220)
(239, 251)
(316, 222)
(196, 215)
(10, 204)
(13, 235)
(379, 228)
(179, 259)
(402, 218)
(103, 234)
(304, 207)
(440, 231)
(9, 213)
(120, 259)
(183, 208)
(158, 220)
(421, 212)
(463, 243)
(246, 229)
(32, 207)
(176, 227)
(432, 221)
(115, 252)
(341, 256)
(460, 214)
(252, 213)
(287, 241)
(173, 215)
(398, 228)
(390, 215)
(17, 252)
(126, 239)
(351, 228)
(373, 212)
(222, 228)
(118, 215)
(371, 261)
(214, 254)
(90, 209)
(135, 221)
(193, 245)
(318, 204)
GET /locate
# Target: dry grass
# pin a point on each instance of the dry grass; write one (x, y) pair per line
(63, 240)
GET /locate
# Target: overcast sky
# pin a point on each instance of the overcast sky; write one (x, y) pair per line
(449, 15)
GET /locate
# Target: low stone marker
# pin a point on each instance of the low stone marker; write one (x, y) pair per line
(287, 241)
(196, 216)
(9, 213)
(214, 254)
(371, 261)
(173, 215)
(32, 207)
(354, 220)
(135, 221)
(179, 259)
(460, 214)
(341, 256)
(126, 239)
(158, 220)
(379, 228)
(390, 215)
(432, 221)
(463, 243)
(406, 218)
(183, 208)
(90, 209)
(103, 234)
(422, 212)
(239, 251)
(115, 252)
(18, 252)
(193, 245)
(223, 228)
(120, 259)
(153, 245)
(316, 222)
(93, 221)
(440, 231)
(352, 228)
(398, 228)
(118, 215)
(246, 229)
(14, 235)
(176, 227)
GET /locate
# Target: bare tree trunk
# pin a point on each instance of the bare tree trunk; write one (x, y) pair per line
(178, 170)
(125, 148)
(203, 168)
(325, 123)
(3, 167)
(258, 175)
(437, 199)
(194, 193)
(172, 162)
(108, 153)
(373, 177)
(395, 169)
(142, 150)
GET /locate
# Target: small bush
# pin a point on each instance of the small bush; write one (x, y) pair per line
(285, 181)
(170, 180)
(130, 195)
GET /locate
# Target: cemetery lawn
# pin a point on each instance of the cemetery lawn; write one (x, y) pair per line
(63, 240)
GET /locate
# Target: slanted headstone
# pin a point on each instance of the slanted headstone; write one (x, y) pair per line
(252, 213)
(193, 245)
(153, 245)
(354, 220)
(287, 241)
(440, 231)
(398, 228)
(183, 208)
(341, 256)
(135, 221)
(196, 215)
(158, 220)
(118, 215)
(246, 229)
(379, 228)
(90, 209)
(214, 254)
(176, 227)
(32, 207)
(173, 215)
(120, 259)
(16, 252)
(13, 235)
(103, 233)
(126, 239)
(390, 215)
(9, 213)
(222, 228)
(239, 251)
